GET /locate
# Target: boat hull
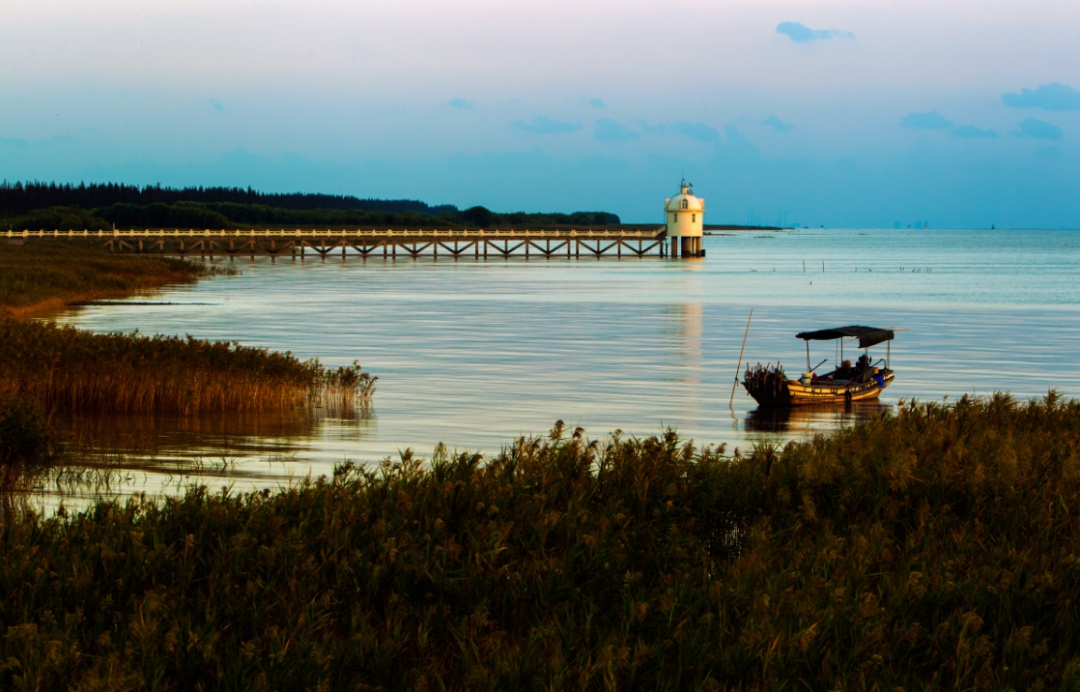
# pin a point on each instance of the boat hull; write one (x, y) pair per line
(794, 393)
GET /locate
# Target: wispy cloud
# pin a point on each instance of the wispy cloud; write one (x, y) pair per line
(651, 129)
(1038, 129)
(1051, 97)
(543, 125)
(462, 104)
(926, 121)
(607, 130)
(699, 131)
(217, 105)
(800, 33)
(972, 132)
(596, 103)
(777, 124)
(694, 130)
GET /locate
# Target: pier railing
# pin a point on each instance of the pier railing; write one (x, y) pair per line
(389, 243)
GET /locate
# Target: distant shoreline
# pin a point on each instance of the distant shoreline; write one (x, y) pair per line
(725, 227)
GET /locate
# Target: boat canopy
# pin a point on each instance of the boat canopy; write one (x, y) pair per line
(867, 336)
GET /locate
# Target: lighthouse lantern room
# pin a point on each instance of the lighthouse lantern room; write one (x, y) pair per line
(685, 222)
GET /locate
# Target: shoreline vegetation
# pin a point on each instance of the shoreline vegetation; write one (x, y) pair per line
(934, 547)
(63, 368)
(44, 276)
(74, 370)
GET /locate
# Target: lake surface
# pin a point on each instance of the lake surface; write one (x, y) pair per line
(472, 353)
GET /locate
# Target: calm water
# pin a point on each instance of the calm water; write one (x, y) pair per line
(473, 353)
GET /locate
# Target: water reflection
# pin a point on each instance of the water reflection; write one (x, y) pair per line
(804, 421)
(687, 329)
(156, 432)
(120, 454)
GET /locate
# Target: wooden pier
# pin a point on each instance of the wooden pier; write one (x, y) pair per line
(385, 244)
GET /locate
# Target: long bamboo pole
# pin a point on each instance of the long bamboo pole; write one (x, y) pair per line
(739, 366)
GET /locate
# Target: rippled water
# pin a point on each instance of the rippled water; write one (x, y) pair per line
(472, 353)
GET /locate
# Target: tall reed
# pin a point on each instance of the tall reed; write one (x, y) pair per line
(66, 368)
(27, 445)
(934, 548)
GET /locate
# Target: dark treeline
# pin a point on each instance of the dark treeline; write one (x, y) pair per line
(231, 215)
(20, 198)
(195, 215)
(49, 206)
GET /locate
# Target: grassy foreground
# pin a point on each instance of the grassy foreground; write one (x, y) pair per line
(937, 548)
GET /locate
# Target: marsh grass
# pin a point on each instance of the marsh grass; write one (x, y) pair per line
(68, 369)
(28, 447)
(937, 548)
(98, 480)
(26, 442)
(45, 275)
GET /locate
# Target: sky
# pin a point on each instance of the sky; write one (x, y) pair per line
(856, 113)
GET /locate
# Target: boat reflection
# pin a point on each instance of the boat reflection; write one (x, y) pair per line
(805, 421)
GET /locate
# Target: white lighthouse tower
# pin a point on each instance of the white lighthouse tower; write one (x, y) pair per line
(685, 222)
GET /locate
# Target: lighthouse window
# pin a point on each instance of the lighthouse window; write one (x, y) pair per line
(685, 204)
(693, 218)
(674, 217)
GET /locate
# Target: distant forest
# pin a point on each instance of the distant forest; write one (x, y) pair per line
(20, 198)
(36, 205)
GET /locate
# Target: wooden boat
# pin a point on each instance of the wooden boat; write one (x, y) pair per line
(770, 386)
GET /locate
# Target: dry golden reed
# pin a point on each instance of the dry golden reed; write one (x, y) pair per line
(66, 368)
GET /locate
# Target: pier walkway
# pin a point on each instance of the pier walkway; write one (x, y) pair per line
(388, 244)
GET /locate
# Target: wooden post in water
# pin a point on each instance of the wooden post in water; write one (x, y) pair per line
(739, 366)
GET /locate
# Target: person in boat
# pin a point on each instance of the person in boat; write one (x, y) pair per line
(862, 368)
